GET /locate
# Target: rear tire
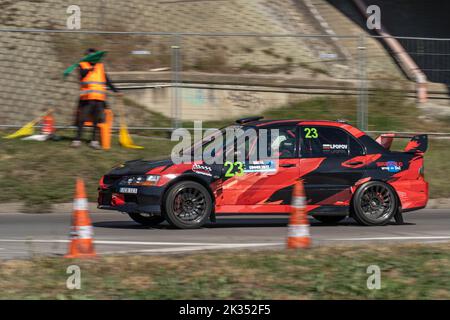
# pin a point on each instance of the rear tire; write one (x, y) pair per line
(329, 219)
(146, 219)
(188, 205)
(374, 204)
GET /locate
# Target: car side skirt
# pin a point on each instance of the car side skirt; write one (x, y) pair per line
(280, 209)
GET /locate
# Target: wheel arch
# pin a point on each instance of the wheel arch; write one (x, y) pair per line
(188, 177)
(399, 203)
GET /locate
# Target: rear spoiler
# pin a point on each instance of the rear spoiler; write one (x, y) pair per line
(417, 143)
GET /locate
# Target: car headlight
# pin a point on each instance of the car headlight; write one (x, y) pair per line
(142, 180)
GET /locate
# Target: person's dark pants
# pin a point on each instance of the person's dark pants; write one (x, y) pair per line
(90, 110)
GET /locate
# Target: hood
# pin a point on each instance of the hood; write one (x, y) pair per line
(135, 167)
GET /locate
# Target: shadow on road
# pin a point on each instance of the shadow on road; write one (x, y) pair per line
(119, 225)
(228, 223)
(248, 223)
(233, 223)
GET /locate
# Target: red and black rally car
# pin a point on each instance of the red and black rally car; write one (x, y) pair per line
(345, 173)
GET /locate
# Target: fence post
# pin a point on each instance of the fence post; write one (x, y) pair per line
(362, 115)
(102, 16)
(176, 82)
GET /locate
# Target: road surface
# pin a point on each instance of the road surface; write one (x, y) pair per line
(25, 235)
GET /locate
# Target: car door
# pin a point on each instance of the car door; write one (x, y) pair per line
(261, 180)
(327, 164)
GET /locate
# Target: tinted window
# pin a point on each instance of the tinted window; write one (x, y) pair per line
(355, 147)
(328, 142)
(285, 141)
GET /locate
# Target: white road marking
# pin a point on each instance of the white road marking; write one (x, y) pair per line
(392, 238)
(34, 240)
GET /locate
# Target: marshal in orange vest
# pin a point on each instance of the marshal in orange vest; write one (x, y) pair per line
(93, 85)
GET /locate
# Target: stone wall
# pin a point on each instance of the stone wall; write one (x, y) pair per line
(31, 64)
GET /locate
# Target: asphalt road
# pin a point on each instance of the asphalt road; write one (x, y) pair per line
(25, 235)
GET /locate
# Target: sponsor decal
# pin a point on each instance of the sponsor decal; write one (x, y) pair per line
(202, 169)
(261, 166)
(390, 166)
(234, 169)
(334, 146)
(311, 133)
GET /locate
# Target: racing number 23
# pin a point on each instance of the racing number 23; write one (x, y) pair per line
(311, 133)
(231, 172)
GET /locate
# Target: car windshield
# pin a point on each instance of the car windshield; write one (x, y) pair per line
(209, 139)
(245, 145)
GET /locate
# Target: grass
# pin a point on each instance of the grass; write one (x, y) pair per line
(407, 272)
(41, 174)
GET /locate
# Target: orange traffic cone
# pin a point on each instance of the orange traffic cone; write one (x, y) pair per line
(48, 124)
(81, 244)
(298, 229)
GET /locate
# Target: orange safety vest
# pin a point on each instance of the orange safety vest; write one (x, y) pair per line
(93, 85)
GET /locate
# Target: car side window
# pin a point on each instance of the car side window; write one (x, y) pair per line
(355, 148)
(317, 141)
(285, 142)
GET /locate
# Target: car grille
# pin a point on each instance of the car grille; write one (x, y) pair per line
(130, 198)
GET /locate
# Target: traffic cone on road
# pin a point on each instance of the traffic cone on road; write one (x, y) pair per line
(81, 235)
(298, 228)
(48, 124)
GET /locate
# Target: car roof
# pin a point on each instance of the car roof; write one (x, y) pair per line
(340, 124)
(262, 123)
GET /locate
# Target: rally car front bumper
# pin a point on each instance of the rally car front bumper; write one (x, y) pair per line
(145, 200)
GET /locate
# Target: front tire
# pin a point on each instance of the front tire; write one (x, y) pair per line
(374, 204)
(188, 205)
(146, 219)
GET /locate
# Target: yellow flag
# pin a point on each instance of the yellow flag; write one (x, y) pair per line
(26, 130)
(125, 138)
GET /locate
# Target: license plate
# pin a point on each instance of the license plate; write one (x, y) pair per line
(129, 190)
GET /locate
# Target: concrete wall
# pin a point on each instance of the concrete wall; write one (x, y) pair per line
(208, 104)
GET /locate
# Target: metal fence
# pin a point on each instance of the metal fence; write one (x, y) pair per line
(173, 78)
(431, 55)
